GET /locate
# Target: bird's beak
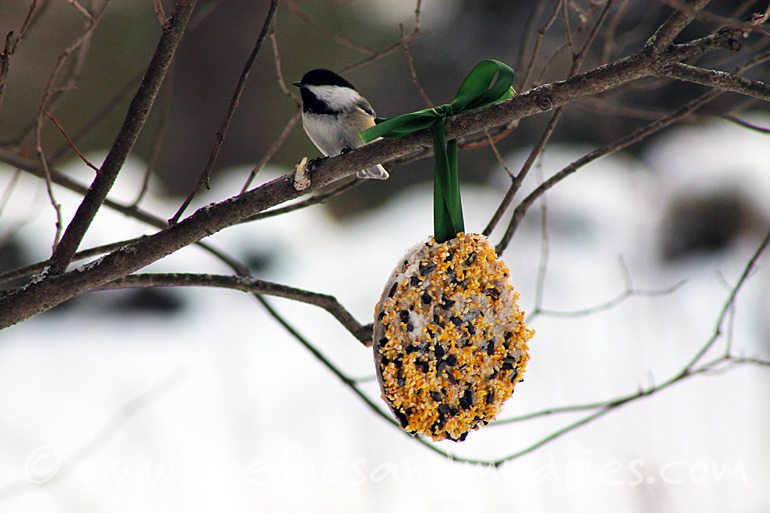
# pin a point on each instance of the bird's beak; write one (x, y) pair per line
(297, 84)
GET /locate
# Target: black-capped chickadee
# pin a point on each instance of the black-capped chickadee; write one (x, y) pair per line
(333, 114)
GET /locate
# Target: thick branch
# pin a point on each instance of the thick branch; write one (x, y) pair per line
(137, 114)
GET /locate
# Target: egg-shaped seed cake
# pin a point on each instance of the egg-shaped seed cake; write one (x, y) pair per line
(450, 341)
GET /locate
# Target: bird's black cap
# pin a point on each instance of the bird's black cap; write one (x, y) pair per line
(321, 76)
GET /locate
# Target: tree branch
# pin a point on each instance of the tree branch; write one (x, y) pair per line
(251, 285)
(718, 80)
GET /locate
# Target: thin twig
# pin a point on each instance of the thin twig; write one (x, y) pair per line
(548, 132)
(629, 291)
(160, 13)
(747, 270)
(221, 133)
(607, 149)
(281, 139)
(746, 124)
(69, 140)
(158, 139)
(82, 10)
(538, 41)
(273, 149)
(412, 71)
(100, 116)
(317, 199)
(342, 41)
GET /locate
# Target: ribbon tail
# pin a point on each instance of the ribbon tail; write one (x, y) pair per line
(454, 205)
(447, 208)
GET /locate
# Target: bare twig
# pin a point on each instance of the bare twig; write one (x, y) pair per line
(221, 133)
(747, 270)
(50, 95)
(253, 286)
(629, 291)
(689, 8)
(281, 139)
(160, 13)
(69, 141)
(675, 23)
(539, 41)
(317, 199)
(746, 124)
(293, 120)
(412, 71)
(718, 80)
(602, 151)
(342, 41)
(91, 125)
(158, 139)
(517, 182)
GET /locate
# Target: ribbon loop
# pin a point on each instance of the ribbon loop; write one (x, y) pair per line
(489, 82)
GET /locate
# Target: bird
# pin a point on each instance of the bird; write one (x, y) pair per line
(334, 114)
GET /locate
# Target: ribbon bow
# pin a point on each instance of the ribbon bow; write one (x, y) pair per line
(480, 88)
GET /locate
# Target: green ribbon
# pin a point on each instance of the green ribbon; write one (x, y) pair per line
(488, 83)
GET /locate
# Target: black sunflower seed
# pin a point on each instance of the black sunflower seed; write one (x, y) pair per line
(466, 401)
(427, 269)
(401, 417)
(393, 289)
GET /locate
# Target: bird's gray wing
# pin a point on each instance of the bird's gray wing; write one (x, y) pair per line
(365, 106)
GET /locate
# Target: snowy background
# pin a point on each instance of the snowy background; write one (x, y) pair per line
(214, 407)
